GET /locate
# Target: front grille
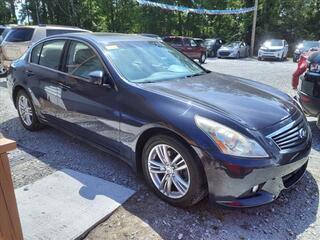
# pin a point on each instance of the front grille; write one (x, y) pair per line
(291, 135)
(224, 53)
(271, 50)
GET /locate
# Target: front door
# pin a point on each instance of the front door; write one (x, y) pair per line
(89, 110)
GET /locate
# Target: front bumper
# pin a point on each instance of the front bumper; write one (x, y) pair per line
(236, 182)
(270, 55)
(226, 54)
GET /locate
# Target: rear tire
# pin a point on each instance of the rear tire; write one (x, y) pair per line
(164, 176)
(26, 111)
(202, 58)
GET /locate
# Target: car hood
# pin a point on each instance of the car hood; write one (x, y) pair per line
(249, 103)
(272, 48)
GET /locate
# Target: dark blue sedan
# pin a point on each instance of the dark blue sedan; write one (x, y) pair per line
(189, 131)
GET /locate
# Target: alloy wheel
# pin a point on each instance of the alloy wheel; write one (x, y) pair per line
(169, 171)
(25, 110)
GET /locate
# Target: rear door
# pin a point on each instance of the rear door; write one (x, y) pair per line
(88, 109)
(44, 76)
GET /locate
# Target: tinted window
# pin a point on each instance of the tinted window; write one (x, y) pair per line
(1, 30)
(82, 60)
(20, 35)
(51, 54)
(36, 54)
(173, 41)
(51, 32)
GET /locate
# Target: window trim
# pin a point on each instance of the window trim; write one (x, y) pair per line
(63, 59)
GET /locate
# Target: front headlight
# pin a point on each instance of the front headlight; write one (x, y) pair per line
(230, 141)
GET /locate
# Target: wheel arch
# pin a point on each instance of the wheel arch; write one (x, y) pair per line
(15, 91)
(147, 134)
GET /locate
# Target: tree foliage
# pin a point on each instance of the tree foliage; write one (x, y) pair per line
(290, 19)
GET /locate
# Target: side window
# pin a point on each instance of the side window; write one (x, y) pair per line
(35, 54)
(82, 60)
(187, 42)
(51, 54)
(193, 43)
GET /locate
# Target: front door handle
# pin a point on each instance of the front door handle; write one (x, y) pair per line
(63, 86)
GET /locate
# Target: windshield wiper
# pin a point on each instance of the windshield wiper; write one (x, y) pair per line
(195, 75)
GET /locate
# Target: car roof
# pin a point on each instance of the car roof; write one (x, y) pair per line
(105, 38)
(48, 26)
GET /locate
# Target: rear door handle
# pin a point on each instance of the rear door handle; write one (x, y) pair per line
(29, 73)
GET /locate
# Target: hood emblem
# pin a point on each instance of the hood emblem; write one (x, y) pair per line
(302, 133)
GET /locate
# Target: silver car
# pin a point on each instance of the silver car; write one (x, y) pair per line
(236, 49)
(20, 38)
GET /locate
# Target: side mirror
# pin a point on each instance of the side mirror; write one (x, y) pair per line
(96, 77)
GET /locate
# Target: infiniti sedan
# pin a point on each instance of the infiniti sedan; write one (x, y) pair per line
(189, 131)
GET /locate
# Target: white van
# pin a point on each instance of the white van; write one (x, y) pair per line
(20, 38)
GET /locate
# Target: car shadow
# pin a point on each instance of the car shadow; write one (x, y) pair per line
(290, 215)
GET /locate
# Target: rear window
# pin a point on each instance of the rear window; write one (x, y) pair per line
(1, 30)
(51, 32)
(20, 35)
(173, 41)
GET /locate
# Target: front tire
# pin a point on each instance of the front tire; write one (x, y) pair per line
(26, 111)
(172, 172)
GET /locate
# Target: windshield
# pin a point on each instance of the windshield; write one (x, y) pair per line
(309, 44)
(209, 42)
(149, 61)
(232, 45)
(273, 43)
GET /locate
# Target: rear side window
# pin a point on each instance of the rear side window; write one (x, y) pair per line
(51, 54)
(1, 30)
(20, 35)
(35, 54)
(51, 32)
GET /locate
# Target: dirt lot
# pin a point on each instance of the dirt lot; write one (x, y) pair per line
(294, 215)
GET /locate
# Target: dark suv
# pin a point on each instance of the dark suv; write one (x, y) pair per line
(213, 46)
(188, 46)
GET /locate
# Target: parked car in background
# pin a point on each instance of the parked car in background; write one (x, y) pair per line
(187, 46)
(236, 49)
(306, 80)
(189, 131)
(212, 45)
(4, 30)
(274, 49)
(151, 35)
(303, 47)
(20, 38)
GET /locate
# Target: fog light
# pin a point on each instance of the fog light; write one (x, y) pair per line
(255, 188)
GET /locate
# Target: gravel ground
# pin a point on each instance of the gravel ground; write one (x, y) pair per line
(294, 215)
